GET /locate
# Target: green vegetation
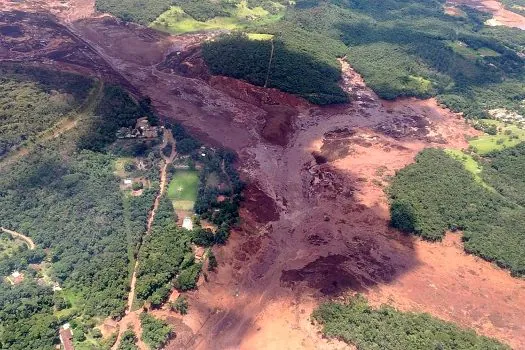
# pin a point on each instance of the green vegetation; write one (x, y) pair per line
(10, 246)
(504, 170)
(42, 194)
(517, 6)
(165, 253)
(180, 305)
(500, 136)
(33, 100)
(386, 328)
(26, 317)
(183, 188)
(200, 15)
(139, 11)
(470, 164)
(439, 193)
(128, 341)
(155, 333)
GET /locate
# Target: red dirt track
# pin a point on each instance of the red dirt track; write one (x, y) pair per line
(315, 219)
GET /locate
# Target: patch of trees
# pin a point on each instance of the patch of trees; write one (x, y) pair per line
(299, 64)
(155, 332)
(357, 323)
(223, 213)
(33, 100)
(115, 110)
(139, 11)
(165, 254)
(516, 6)
(128, 341)
(26, 316)
(21, 260)
(437, 193)
(43, 194)
(185, 143)
(504, 171)
(203, 10)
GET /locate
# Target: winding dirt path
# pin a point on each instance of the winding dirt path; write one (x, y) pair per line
(30, 244)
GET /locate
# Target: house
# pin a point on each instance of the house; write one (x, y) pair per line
(128, 182)
(187, 223)
(66, 337)
(15, 278)
(142, 129)
(199, 253)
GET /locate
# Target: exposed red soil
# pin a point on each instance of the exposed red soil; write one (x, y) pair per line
(315, 219)
(501, 15)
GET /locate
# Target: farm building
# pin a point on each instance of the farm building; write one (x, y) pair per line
(66, 337)
(187, 223)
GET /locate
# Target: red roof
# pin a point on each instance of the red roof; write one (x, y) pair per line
(66, 337)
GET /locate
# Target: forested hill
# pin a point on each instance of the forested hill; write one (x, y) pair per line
(402, 48)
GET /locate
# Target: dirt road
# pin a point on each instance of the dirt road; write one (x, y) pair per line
(30, 244)
(132, 317)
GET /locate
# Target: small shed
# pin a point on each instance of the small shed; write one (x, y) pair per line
(66, 337)
(187, 223)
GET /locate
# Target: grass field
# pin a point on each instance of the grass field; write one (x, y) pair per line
(183, 188)
(508, 136)
(176, 21)
(471, 165)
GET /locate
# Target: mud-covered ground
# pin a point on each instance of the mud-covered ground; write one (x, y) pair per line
(315, 219)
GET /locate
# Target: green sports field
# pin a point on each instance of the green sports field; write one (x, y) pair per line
(183, 188)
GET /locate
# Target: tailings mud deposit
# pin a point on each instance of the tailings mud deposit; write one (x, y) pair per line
(501, 16)
(315, 220)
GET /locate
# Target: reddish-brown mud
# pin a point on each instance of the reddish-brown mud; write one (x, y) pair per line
(501, 16)
(315, 220)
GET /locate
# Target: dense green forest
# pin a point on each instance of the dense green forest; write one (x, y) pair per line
(386, 328)
(33, 100)
(26, 317)
(401, 47)
(139, 11)
(165, 253)
(438, 193)
(42, 194)
(314, 76)
(517, 6)
(155, 332)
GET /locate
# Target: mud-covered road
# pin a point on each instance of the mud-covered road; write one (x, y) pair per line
(315, 218)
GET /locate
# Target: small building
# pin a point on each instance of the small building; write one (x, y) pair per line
(187, 223)
(56, 287)
(66, 337)
(15, 278)
(128, 182)
(199, 253)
